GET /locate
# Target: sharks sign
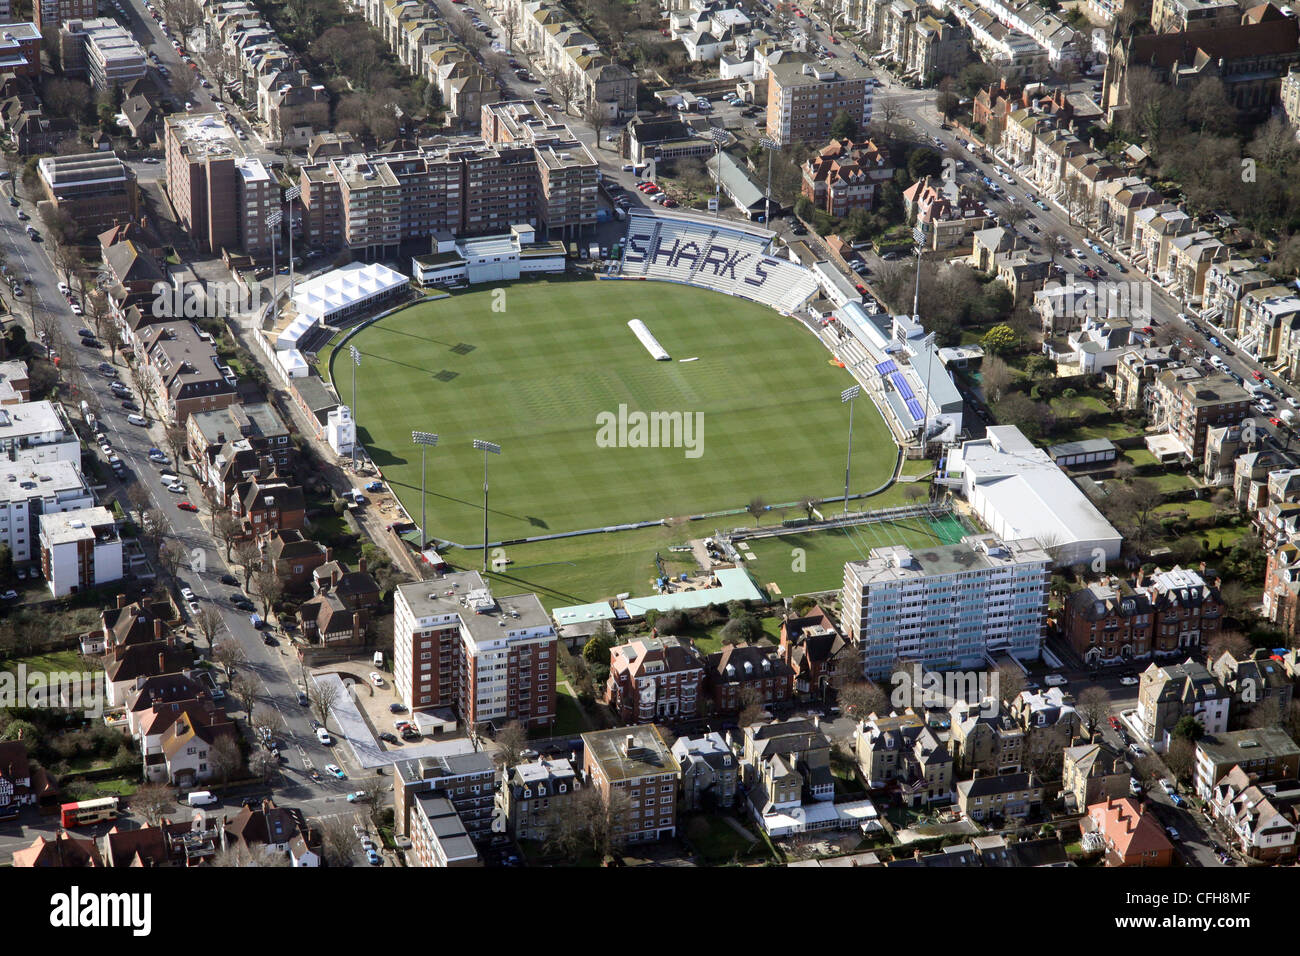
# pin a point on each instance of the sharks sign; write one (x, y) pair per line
(718, 259)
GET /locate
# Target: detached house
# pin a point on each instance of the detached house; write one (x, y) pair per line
(270, 506)
(818, 656)
(535, 794)
(739, 666)
(1006, 796)
(1261, 817)
(654, 679)
(1129, 835)
(710, 772)
(1092, 772)
(902, 753)
(845, 176)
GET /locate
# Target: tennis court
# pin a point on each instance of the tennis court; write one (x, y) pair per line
(804, 561)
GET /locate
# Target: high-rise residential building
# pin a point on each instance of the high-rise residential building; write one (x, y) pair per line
(222, 198)
(456, 645)
(20, 49)
(80, 550)
(105, 50)
(53, 13)
(528, 169)
(947, 606)
(637, 764)
(803, 99)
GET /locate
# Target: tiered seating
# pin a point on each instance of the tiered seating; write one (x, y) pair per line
(726, 260)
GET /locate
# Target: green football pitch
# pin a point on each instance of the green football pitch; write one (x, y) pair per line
(805, 561)
(534, 373)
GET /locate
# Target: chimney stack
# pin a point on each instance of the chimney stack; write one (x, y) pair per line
(361, 565)
(121, 601)
(162, 663)
(628, 743)
(329, 555)
(976, 774)
(157, 629)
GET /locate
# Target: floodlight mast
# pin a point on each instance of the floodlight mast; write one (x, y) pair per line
(494, 448)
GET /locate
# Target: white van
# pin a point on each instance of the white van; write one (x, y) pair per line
(379, 658)
(201, 798)
(323, 736)
(1255, 389)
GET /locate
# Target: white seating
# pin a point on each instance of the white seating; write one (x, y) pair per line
(722, 258)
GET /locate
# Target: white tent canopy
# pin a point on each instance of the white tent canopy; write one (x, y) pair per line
(340, 289)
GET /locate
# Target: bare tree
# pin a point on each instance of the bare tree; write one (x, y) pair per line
(594, 114)
(321, 697)
(225, 527)
(209, 622)
(337, 841)
(248, 557)
(752, 709)
(151, 801)
(511, 740)
(996, 376)
(227, 653)
(1011, 682)
(1180, 758)
(862, 698)
(171, 557)
(174, 436)
(1094, 706)
(564, 88)
(262, 763)
(757, 507)
(244, 689)
(269, 589)
(1227, 642)
(509, 20)
(224, 757)
(588, 822)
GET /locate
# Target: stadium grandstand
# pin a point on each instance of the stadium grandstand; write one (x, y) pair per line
(900, 366)
(722, 257)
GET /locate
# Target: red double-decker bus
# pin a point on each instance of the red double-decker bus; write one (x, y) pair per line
(88, 811)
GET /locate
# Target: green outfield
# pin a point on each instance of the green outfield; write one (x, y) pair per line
(802, 562)
(535, 376)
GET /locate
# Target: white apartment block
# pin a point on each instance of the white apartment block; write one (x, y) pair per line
(33, 433)
(950, 606)
(29, 491)
(80, 550)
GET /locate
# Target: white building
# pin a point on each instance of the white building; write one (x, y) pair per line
(342, 293)
(340, 430)
(36, 432)
(112, 55)
(949, 606)
(80, 550)
(1016, 489)
(29, 491)
(488, 259)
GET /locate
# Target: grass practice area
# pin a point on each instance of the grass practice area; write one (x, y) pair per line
(820, 564)
(761, 399)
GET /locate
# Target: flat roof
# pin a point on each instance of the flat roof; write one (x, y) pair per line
(67, 526)
(28, 418)
(465, 595)
(649, 753)
(581, 613)
(734, 584)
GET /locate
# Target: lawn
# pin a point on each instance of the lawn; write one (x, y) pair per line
(717, 842)
(1189, 509)
(69, 660)
(569, 721)
(806, 561)
(533, 378)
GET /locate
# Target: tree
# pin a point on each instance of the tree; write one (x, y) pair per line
(843, 126)
(999, 340)
(751, 707)
(1208, 106)
(809, 504)
(151, 801)
(861, 698)
(509, 20)
(1227, 642)
(67, 261)
(598, 646)
(225, 527)
(756, 508)
(1055, 244)
(1189, 728)
(261, 763)
(511, 741)
(743, 628)
(1180, 757)
(269, 589)
(1011, 682)
(337, 841)
(563, 88)
(244, 689)
(321, 697)
(171, 557)
(588, 822)
(209, 622)
(227, 653)
(224, 757)
(595, 116)
(174, 436)
(947, 103)
(995, 375)
(1094, 706)
(248, 557)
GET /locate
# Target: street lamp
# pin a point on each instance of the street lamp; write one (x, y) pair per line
(290, 194)
(273, 220)
(848, 395)
(356, 429)
(486, 446)
(719, 138)
(771, 146)
(425, 440)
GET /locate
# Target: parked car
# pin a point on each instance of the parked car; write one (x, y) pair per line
(1055, 680)
(376, 679)
(336, 770)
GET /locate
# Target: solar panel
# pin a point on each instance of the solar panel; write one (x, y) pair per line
(900, 383)
(914, 407)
